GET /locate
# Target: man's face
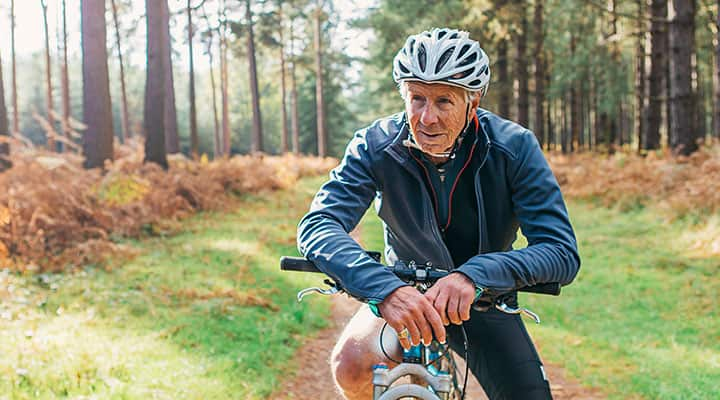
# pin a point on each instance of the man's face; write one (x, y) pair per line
(437, 112)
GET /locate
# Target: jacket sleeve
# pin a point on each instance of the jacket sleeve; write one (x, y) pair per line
(551, 255)
(336, 210)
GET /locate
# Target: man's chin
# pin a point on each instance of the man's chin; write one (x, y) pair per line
(432, 149)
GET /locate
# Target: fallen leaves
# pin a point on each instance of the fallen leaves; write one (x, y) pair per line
(56, 214)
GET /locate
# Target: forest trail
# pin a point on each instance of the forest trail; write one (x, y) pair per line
(314, 381)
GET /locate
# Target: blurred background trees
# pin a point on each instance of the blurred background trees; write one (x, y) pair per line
(280, 76)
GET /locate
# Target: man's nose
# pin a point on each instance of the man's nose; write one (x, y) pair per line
(428, 115)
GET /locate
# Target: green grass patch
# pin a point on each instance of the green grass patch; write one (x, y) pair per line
(641, 320)
(205, 314)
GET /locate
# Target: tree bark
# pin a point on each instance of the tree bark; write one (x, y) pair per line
(16, 112)
(194, 141)
(172, 141)
(503, 79)
(295, 119)
(125, 120)
(97, 109)
(575, 104)
(539, 58)
(48, 78)
(4, 126)
(320, 103)
(283, 96)
(64, 77)
(257, 135)
(640, 61)
(226, 147)
(523, 105)
(217, 143)
(154, 119)
(657, 76)
(716, 78)
(681, 97)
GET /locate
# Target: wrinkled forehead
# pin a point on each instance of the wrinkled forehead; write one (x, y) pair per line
(434, 89)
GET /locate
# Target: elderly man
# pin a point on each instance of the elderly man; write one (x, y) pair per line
(452, 184)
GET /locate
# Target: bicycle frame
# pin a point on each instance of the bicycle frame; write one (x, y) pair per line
(426, 363)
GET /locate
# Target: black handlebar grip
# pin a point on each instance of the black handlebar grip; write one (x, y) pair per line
(297, 264)
(552, 288)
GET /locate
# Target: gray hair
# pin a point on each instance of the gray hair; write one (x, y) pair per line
(469, 94)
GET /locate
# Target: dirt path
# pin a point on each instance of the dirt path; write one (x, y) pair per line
(315, 382)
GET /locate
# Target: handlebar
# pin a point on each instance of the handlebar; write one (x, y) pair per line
(412, 272)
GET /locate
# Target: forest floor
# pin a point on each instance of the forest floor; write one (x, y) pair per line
(207, 314)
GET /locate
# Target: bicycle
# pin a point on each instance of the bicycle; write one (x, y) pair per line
(431, 364)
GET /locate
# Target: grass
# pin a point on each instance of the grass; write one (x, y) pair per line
(642, 319)
(204, 314)
(207, 314)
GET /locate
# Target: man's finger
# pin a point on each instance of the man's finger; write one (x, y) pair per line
(452, 309)
(436, 324)
(415, 334)
(464, 307)
(440, 305)
(403, 336)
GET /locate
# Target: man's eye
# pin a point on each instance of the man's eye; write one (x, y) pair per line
(418, 98)
(444, 101)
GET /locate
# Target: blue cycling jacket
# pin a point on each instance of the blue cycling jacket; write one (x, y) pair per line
(515, 188)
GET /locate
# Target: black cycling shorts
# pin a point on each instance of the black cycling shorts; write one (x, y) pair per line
(501, 356)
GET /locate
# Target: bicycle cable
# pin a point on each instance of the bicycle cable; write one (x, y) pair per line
(445, 353)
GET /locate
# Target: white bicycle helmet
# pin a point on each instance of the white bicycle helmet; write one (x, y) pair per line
(443, 55)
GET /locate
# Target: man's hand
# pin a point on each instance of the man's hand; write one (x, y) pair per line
(452, 297)
(406, 308)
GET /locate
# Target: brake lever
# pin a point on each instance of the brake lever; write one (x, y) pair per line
(311, 290)
(509, 310)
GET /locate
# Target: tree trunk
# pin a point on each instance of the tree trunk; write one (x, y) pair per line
(521, 73)
(320, 103)
(539, 58)
(566, 135)
(226, 143)
(217, 142)
(48, 79)
(154, 120)
(16, 112)
(257, 135)
(503, 79)
(283, 96)
(97, 110)
(125, 120)
(295, 125)
(657, 76)
(172, 141)
(65, 79)
(681, 97)
(575, 104)
(716, 79)
(194, 142)
(4, 126)
(640, 73)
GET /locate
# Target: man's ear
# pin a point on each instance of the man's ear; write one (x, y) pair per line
(475, 102)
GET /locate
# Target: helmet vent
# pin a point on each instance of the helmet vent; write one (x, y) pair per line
(469, 60)
(444, 59)
(463, 74)
(422, 57)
